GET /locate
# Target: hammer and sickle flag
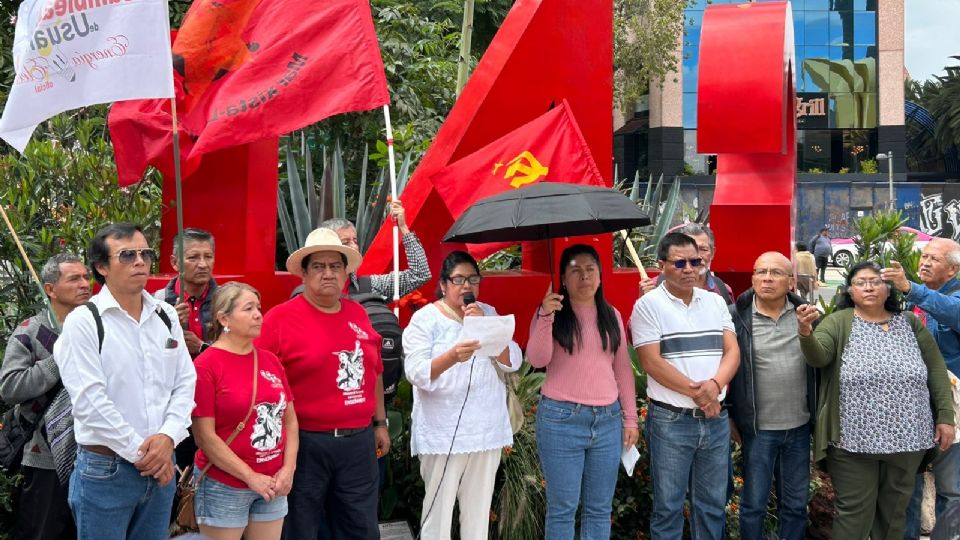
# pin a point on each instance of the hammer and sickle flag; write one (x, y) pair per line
(549, 148)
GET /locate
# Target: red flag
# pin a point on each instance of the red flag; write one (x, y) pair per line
(547, 149)
(252, 69)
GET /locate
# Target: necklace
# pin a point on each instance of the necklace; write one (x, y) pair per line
(453, 314)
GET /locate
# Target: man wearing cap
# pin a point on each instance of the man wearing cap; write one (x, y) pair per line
(332, 357)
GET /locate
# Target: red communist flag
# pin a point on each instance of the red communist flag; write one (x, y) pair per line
(549, 148)
(247, 70)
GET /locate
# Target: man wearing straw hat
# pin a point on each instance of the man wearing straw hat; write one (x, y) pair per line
(131, 383)
(29, 379)
(332, 357)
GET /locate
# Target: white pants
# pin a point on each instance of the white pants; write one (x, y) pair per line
(469, 479)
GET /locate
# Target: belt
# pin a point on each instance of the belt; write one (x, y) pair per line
(344, 432)
(696, 413)
(99, 449)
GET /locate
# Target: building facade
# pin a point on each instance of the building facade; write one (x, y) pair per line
(850, 100)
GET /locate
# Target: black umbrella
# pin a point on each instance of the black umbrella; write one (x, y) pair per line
(546, 210)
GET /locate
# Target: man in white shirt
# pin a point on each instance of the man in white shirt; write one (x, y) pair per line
(131, 383)
(686, 342)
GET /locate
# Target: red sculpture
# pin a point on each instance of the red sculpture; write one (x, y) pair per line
(547, 51)
(745, 115)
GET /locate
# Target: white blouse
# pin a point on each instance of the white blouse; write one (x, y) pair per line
(485, 424)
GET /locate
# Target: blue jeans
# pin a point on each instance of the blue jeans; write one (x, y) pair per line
(111, 501)
(946, 475)
(786, 454)
(687, 451)
(580, 447)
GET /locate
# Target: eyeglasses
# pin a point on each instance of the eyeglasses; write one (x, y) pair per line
(775, 273)
(460, 280)
(680, 264)
(864, 283)
(129, 256)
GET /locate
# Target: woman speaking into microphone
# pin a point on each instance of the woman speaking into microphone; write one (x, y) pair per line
(460, 420)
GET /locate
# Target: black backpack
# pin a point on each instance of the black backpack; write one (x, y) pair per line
(391, 334)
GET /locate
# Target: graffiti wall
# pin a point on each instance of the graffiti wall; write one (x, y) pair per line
(933, 208)
(940, 210)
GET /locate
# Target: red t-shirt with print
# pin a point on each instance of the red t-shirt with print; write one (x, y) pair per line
(332, 359)
(224, 387)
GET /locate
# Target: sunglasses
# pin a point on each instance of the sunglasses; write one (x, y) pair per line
(680, 264)
(129, 256)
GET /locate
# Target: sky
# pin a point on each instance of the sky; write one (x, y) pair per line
(932, 36)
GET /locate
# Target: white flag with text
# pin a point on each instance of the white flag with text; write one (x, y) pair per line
(73, 53)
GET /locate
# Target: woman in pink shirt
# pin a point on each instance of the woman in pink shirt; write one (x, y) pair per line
(588, 407)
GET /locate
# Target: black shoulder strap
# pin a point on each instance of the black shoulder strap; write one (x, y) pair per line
(96, 318)
(364, 286)
(99, 320)
(165, 318)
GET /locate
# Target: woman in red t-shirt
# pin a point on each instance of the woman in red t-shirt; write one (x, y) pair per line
(246, 485)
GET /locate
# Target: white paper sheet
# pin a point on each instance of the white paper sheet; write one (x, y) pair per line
(629, 458)
(494, 333)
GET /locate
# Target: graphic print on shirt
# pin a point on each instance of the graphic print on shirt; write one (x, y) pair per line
(359, 331)
(350, 374)
(268, 427)
(273, 379)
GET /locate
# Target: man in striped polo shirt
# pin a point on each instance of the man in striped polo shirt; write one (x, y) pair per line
(686, 342)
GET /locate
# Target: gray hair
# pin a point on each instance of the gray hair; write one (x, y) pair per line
(953, 256)
(50, 273)
(192, 235)
(696, 229)
(335, 224)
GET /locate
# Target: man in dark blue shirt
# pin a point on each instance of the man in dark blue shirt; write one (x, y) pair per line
(936, 301)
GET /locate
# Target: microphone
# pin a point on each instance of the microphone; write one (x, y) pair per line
(469, 298)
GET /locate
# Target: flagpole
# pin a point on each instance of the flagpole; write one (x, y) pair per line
(393, 198)
(33, 273)
(176, 173)
(633, 254)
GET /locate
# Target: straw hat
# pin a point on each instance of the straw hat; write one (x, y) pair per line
(323, 239)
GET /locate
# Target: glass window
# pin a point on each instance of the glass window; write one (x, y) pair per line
(835, 22)
(689, 69)
(697, 4)
(843, 110)
(815, 152)
(865, 5)
(798, 17)
(797, 6)
(698, 162)
(816, 28)
(843, 76)
(865, 64)
(843, 5)
(867, 104)
(865, 28)
(815, 69)
(811, 5)
(858, 145)
(690, 110)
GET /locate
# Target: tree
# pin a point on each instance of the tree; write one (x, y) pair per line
(645, 34)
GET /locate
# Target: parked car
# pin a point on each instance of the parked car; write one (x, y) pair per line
(845, 250)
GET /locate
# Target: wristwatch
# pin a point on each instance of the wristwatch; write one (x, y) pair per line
(381, 423)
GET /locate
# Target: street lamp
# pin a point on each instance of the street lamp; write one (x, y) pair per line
(889, 158)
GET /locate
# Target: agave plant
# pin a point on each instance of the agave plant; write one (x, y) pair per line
(661, 213)
(878, 238)
(311, 203)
